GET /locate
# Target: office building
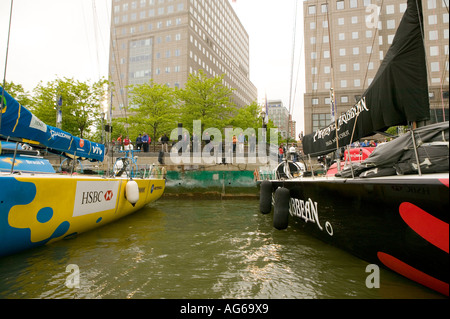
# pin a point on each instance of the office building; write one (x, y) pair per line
(167, 40)
(281, 118)
(355, 35)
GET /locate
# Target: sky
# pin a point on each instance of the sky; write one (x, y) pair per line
(53, 39)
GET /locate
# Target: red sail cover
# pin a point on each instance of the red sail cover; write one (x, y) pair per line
(397, 95)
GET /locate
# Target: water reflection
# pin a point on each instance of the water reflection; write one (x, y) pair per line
(196, 249)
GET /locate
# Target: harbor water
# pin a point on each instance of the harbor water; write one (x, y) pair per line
(196, 249)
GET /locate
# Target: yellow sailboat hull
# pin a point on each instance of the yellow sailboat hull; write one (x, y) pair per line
(39, 209)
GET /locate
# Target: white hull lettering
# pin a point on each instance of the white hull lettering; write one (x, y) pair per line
(306, 210)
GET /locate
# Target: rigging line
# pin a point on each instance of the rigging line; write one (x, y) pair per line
(288, 128)
(332, 97)
(367, 70)
(371, 52)
(315, 89)
(86, 28)
(298, 71)
(293, 56)
(444, 71)
(422, 33)
(114, 57)
(6, 63)
(96, 28)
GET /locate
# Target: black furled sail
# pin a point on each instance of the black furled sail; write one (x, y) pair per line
(397, 95)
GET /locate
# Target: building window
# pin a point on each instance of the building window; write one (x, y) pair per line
(340, 5)
(431, 4)
(432, 19)
(320, 120)
(433, 35)
(390, 9)
(390, 24)
(312, 10)
(434, 66)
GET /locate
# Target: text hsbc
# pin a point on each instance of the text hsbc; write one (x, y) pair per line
(92, 197)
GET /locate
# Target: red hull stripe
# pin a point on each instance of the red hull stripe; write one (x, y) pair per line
(444, 181)
(413, 273)
(429, 227)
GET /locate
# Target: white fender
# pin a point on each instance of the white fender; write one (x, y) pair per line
(132, 192)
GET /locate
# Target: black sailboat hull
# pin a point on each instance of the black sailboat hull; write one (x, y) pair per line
(400, 223)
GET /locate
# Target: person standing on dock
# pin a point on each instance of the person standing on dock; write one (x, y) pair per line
(165, 143)
(139, 142)
(145, 142)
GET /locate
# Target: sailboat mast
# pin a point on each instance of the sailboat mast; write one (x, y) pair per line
(292, 69)
(332, 95)
(6, 64)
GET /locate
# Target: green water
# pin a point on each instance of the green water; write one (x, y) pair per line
(176, 249)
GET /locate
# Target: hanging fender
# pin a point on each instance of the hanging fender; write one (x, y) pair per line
(132, 192)
(265, 197)
(281, 208)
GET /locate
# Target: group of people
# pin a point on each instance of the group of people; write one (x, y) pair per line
(290, 153)
(142, 143)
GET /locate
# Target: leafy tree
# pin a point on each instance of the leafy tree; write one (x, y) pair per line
(206, 99)
(152, 106)
(18, 92)
(247, 117)
(81, 105)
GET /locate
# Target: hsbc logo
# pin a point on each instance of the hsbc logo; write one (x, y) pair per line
(95, 196)
(108, 195)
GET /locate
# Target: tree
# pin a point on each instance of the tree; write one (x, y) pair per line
(248, 117)
(152, 105)
(206, 99)
(18, 92)
(81, 105)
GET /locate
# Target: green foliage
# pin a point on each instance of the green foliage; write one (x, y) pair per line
(152, 107)
(206, 99)
(81, 105)
(247, 117)
(18, 92)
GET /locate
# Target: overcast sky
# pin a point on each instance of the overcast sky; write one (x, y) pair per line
(53, 39)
